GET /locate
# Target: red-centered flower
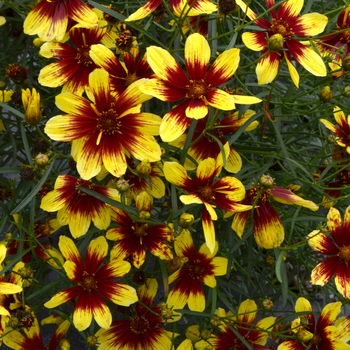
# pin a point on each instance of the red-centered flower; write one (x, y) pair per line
(339, 250)
(103, 130)
(76, 208)
(179, 7)
(133, 237)
(224, 193)
(208, 147)
(286, 23)
(121, 77)
(34, 341)
(255, 335)
(268, 228)
(49, 19)
(92, 282)
(343, 129)
(43, 251)
(199, 90)
(142, 330)
(75, 63)
(330, 43)
(201, 266)
(320, 336)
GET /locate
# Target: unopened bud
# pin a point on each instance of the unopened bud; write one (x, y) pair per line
(37, 42)
(2, 85)
(186, 220)
(215, 321)
(304, 336)
(49, 153)
(14, 321)
(346, 63)
(144, 215)
(65, 344)
(270, 260)
(205, 334)
(144, 168)
(91, 340)
(26, 272)
(122, 185)
(267, 304)
(167, 313)
(326, 94)
(173, 265)
(346, 91)
(266, 181)
(8, 236)
(41, 160)
(276, 42)
(332, 139)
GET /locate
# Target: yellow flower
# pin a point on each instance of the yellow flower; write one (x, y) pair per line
(31, 104)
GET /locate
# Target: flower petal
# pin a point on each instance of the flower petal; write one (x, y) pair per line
(255, 41)
(177, 174)
(149, 7)
(118, 293)
(220, 99)
(208, 229)
(320, 242)
(73, 271)
(9, 288)
(309, 24)
(184, 246)
(292, 71)
(261, 22)
(197, 56)
(99, 84)
(96, 253)
(233, 162)
(113, 156)
(57, 73)
(197, 109)
(267, 68)
(200, 7)
(162, 90)
(100, 310)
(64, 296)
(290, 9)
(196, 299)
(82, 316)
(342, 279)
(70, 251)
(239, 222)
(328, 315)
(113, 269)
(247, 312)
(334, 226)
(322, 273)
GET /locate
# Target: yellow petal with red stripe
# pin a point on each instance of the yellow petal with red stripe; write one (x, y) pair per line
(254, 41)
(267, 68)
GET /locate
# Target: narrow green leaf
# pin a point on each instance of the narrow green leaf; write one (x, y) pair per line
(10, 170)
(26, 145)
(12, 110)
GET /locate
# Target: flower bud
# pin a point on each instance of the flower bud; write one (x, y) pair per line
(122, 185)
(37, 42)
(27, 173)
(326, 94)
(167, 313)
(332, 139)
(26, 272)
(14, 321)
(304, 336)
(270, 260)
(41, 160)
(49, 153)
(65, 344)
(91, 340)
(2, 85)
(267, 304)
(276, 42)
(144, 168)
(215, 321)
(266, 181)
(205, 334)
(186, 220)
(53, 319)
(31, 104)
(144, 215)
(346, 63)
(226, 7)
(346, 91)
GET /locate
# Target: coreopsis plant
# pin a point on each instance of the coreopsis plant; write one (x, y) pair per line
(285, 22)
(199, 91)
(104, 130)
(92, 282)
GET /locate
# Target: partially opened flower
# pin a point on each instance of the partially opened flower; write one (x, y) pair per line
(342, 130)
(179, 8)
(33, 340)
(142, 330)
(285, 23)
(49, 19)
(337, 247)
(104, 130)
(75, 64)
(121, 76)
(134, 237)
(93, 282)
(224, 193)
(255, 335)
(268, 228)
(199, 91)
(208, 147)
(31, 104)
(320, 336)
(200, 267)
(76, 208)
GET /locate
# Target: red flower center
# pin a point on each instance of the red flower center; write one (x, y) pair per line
(264, 195)
(214, 132)
(344, 253)
(140, 230)
(197, 89)
(280, 26)
(344, 36)
(237, 344)
(316, 339)
(130, 78)
(195, 270)
(345, 177)
(108, 123)
(139, 325)
(206, 193)
(88, 281)
(84, 183)
(83, 56)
